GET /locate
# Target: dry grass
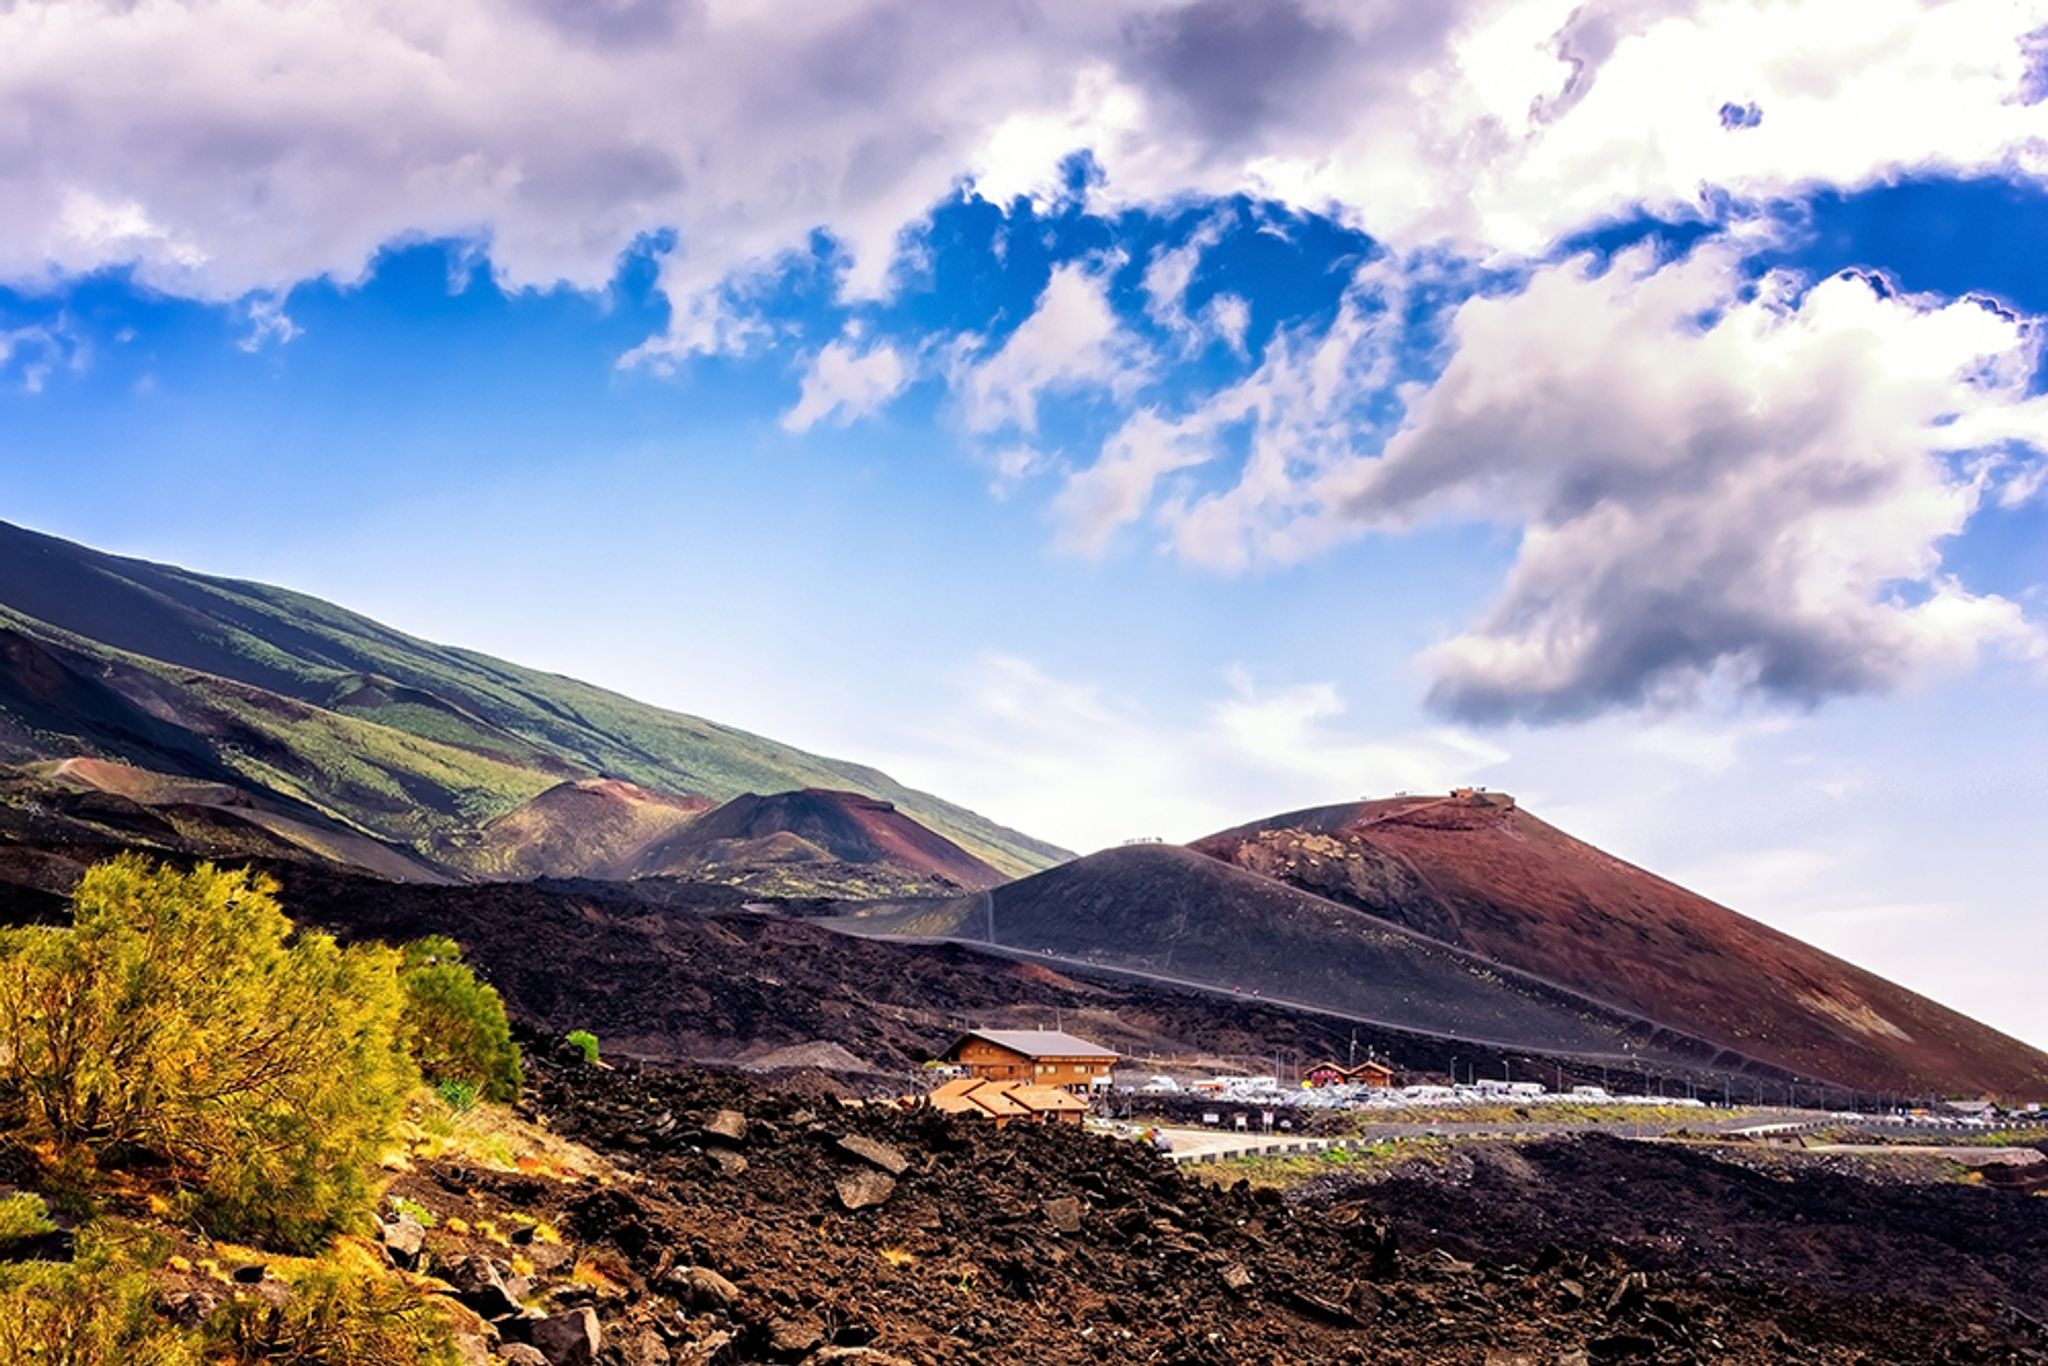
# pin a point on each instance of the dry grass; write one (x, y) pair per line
(491, 1137)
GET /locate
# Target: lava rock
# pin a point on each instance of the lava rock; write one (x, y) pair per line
(729, 1125)
(1064, 1213)
(701, 1288)
(645, 1348)
(481, 1287)
(863, 1189)
(879, 1154)
(569, 1339)
(714, 1349)
(794, 1337)
(403, 1239)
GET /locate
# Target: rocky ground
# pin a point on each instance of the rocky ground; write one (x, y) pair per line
(732, 1224)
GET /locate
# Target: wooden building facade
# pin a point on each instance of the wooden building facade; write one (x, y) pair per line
(1337, 1074)
(1042, 1057)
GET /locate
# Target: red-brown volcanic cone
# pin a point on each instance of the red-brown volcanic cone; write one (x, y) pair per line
(847, 826)
(1479, 873)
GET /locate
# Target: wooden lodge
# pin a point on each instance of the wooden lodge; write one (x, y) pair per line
(1042, 1057)
(1328, 1073)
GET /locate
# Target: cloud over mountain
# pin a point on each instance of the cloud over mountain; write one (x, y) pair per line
(1718, 484)
(287, 142)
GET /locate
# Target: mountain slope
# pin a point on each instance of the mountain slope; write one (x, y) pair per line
(398, 737)
(830, 838)
(1478, 872)
(1169, 912)
(592, 827)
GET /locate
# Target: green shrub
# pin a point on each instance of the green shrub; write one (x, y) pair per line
(336, 1317)
(23, 1216)
(415, 1211)
(179, 1019)
(459, 1096)
(585, 1040)
(455, 1025)
(96, 1311)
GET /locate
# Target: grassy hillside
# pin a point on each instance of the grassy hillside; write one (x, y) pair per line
(386, 732)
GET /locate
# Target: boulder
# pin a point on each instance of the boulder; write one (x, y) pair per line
(645, 1348)
(794, 1337)
(729, 1125)
(481, 1287)
(569, 1339)
(403, 1238)
(188, 1308)
(863, 1189)
(521, 1355)
(714, 1349)
(701, 1288)
(879, 1154)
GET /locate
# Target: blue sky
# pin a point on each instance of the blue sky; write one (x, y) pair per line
(1148, 421)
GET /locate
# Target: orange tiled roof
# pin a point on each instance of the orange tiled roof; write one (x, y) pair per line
(1047, 1098)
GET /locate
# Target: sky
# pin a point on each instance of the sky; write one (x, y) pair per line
(1126, 419)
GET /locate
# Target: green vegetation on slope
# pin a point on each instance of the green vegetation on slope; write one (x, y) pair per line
(179, 1066)
(181, 1027)
(390, 716)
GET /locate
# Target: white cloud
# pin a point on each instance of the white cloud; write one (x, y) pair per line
(1118, 486)
(33, 352)
(843, 385)
(1011, 466)
(1757, 501)
(1708, 748)
(1170, 272)
(1068, 761)
(268, 322)
(243, 146)
(1072, 340)
(1300, 416)
(1717, 489)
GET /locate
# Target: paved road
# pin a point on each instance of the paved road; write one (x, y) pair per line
(1215, 1145)
(1966, 1154)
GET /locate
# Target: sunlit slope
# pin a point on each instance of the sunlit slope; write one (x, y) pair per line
(1483, 875)
(219, 678)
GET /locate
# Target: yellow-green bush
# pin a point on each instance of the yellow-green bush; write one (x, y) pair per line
(23, 1216)
(455, 1025)
(102, 1310)
(96, 1311)
(179, 1020)
(335, 1317)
